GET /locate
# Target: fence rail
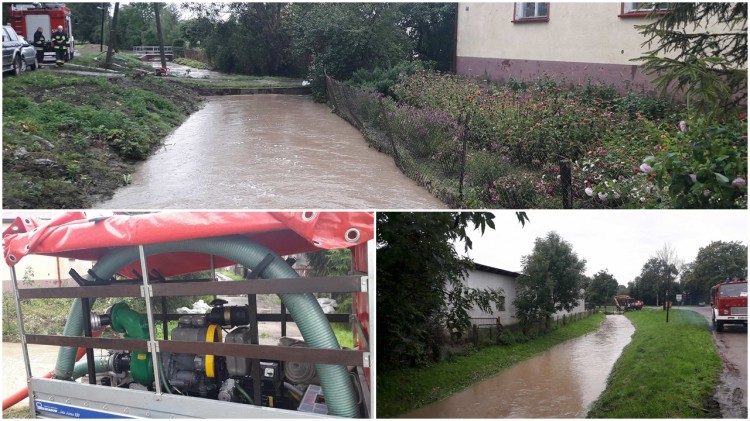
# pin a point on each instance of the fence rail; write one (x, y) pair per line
(436, 151)
(151, 49)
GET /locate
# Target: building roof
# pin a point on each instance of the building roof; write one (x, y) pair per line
(490, 269)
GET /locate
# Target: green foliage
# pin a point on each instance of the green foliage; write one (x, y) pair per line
(710, 67)
(383, 80)
(191, 63)
(681, 351)
(706, 167)
(601, 289)
(336, 262)
(420, 289)
(340, 39)
(651, 284)
(86, 130)
(551, 280)
(713, 264)
(403, 389)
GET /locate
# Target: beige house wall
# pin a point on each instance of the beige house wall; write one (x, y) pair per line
(579, 42)
(575, 32)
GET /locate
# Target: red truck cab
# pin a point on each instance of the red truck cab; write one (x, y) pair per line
(729, 303)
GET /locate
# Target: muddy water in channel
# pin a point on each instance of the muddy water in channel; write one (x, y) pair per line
(268, 151)
(560, 383)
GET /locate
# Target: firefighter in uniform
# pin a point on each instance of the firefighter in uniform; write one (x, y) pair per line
(39, 42)
(59, 43)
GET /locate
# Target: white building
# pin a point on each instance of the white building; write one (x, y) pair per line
(489, 277)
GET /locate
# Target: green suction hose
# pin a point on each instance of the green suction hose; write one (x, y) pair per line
(304, 308)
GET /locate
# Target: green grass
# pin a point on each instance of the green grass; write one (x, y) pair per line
(18, 411)
(68, 140)
(343, 332)
(401, 390)
(669, 370)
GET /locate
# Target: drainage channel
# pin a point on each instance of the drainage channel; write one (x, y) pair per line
(562, 382)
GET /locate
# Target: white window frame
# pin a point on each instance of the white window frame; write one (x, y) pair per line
(631, 8)
(521, 8)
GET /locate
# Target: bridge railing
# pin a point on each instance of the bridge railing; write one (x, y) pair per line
(151, 49)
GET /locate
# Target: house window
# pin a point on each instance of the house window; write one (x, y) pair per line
(642, 9)
(531, 12)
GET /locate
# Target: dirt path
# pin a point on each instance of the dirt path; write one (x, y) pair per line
(732, 346)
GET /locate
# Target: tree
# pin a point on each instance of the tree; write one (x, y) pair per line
(709, 67)
(420, 290)
(432, 28)
(551, 280)
(159, 37)
(667, 257)
(87, 18)
(112, 37)
(339, 38)
(713, 264)
(601, 289)
(651, 285)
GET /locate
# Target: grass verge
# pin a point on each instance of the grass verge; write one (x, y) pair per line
(403, 390)
(18, 411)
(669, 370)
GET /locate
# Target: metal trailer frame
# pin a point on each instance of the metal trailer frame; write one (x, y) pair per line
(66, 399)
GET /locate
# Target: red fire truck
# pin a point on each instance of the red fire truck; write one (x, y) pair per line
(729, 303)
(26, 18)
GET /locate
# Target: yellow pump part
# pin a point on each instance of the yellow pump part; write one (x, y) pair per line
(213, 333)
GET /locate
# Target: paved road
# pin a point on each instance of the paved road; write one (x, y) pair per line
(732, 345)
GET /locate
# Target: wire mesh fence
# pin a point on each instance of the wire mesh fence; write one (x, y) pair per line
(437, 151)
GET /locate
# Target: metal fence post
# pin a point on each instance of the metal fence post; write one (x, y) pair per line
(566, 182)
(464, 141)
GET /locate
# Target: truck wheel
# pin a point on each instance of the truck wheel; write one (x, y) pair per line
(719, 326)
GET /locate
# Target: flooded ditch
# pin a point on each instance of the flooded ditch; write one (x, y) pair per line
(560, 383)
(269, 152)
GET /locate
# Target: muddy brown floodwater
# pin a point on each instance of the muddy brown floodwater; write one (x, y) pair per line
(269, 152)
(560, 383)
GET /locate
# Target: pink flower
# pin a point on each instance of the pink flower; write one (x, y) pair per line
(589, 191)
(645, 168)
(602, 196)
(739, 182)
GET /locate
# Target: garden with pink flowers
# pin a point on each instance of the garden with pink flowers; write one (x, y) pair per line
(626, 151)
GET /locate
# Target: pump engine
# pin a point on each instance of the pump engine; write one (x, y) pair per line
(207, 376)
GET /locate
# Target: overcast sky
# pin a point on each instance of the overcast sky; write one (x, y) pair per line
(619, 241)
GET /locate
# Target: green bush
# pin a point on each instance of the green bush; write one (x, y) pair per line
(484, 167)
(383, 80)
(505, 337)
(705, 167)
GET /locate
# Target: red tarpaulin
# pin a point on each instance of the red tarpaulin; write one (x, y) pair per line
(73, 235)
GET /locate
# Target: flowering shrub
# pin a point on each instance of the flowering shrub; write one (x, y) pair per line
(705, 166)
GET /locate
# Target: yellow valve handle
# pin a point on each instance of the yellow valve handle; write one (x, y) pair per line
(212, 333)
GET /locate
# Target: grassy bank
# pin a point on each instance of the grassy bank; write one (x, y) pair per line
(69, 141)
(403, 390)
(669, 370)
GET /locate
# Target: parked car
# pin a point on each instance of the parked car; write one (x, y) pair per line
(18, 54)
(29, 55)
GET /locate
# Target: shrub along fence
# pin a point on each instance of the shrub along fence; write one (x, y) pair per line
(433, 149)
(486, 331)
